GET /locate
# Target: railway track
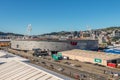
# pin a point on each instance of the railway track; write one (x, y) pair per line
(89, 70)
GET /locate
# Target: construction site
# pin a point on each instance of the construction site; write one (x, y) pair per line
(69, 40)
(76, 69)
(72, 59)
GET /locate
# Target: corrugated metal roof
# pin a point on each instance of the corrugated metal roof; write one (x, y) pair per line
(16, 70)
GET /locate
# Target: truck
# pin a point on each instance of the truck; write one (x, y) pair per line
(38, 52)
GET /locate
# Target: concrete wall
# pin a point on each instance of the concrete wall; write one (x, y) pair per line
(54, 45)
(29, 45)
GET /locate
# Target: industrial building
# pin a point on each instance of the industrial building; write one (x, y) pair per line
(93, 57)
(54, 45)
(14, 67)
(16, 70)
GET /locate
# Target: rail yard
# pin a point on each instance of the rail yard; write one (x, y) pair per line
(72, 68)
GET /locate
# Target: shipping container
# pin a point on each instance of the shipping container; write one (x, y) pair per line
(56, 57)
(112, 65)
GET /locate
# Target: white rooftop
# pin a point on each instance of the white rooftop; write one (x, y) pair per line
(6, 57)
(5, 39)
(17, 70)
(90, 54)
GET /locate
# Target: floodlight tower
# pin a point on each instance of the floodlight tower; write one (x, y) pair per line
(29, 29)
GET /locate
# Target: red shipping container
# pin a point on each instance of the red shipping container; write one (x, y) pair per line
(112, 65)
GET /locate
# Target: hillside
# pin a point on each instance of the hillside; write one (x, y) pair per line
(13, 34)
(108, 29)
(57, 33)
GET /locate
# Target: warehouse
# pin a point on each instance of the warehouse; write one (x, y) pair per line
(54, 45)
(93, 57)
(23, 71)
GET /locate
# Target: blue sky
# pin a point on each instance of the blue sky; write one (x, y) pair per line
(57, 15)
